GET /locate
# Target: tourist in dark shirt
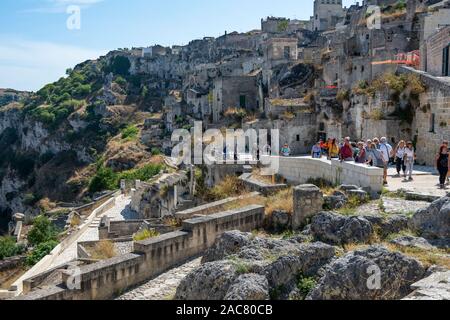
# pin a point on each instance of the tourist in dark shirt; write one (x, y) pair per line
(443, 165)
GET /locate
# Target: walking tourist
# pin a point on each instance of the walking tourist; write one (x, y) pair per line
(443, 165)
(408, 158)
(399, 153)
(386, 151)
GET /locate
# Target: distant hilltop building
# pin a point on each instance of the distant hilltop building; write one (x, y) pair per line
(327, 14)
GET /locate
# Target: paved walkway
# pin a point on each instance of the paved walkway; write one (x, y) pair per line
(426, 181)
(119, 212)
(163, 287)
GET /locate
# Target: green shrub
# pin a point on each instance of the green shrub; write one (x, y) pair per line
(107, 179)
(43, 231)
(130, 133)
(120, 81)
(305, 285)
(145, 234)
(9, 248)
(40, 252)
(156, 152)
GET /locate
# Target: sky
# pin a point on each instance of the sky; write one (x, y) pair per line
(40, 39)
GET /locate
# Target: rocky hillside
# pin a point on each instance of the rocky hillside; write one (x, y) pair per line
(56, 141)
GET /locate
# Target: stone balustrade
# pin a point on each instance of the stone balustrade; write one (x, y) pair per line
(300, 170)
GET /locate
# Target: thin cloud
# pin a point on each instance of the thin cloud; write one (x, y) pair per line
(29, 65)
(60, 6)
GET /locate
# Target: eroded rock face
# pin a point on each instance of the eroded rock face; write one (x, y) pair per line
(434, 221)
(413, 242)
(249, 287)
(337, 229)
(278, 262)
(210, 281)
(353, 277)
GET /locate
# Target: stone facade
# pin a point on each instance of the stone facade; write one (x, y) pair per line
(308, 201)
(438, 53)
(327, 13)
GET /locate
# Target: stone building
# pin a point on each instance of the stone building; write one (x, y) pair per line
(438, 53)
(235, 92)
(274, 24)
(327, 14)
(280, 51)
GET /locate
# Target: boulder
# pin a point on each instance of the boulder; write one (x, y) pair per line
(393, 225)
(347, 187)
(361, 195)
(413, 242)
(337, 229)
(356, 276)
(253, 287)
(434, 221)
(283, 272)
(334, 202)
(229, 243)
(281, 220)
(210, 281)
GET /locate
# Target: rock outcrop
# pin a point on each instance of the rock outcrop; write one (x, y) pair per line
(249, 287)
(371, 274)
(337, 229)
(434, 221)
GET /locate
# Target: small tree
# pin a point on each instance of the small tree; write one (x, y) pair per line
(43, 231)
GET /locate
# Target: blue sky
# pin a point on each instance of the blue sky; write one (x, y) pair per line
(36, 47)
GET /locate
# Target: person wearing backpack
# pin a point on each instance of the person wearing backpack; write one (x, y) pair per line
(409, 158)
(443, 165)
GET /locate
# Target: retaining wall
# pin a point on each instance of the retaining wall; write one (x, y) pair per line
(48, 260)
(105, 279)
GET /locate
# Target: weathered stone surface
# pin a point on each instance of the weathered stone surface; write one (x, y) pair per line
(249, 287)
(309, 259)
(434, 221)
(337, 229)
(413, 242)
(434, 287)
(229, 243)
(308, 201)
(334, 202)
(348, 187)
(393, 225)
(210, 281)
(281, 220)
(352, 276)
(360, 194)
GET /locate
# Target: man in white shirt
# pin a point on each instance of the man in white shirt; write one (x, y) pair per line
(386, 151)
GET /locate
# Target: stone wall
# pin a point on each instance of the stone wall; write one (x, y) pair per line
(259, 186)
(301, 169)
(435, 50)
(103, 280)
(212, 207)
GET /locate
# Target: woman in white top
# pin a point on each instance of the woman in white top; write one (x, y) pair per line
(409, 159)
(399, 153)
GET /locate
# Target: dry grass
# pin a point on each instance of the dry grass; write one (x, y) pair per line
(104, 250)
(428, 257)
(245, 202)
(230, 186)
(75, 221)
(283, 200)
